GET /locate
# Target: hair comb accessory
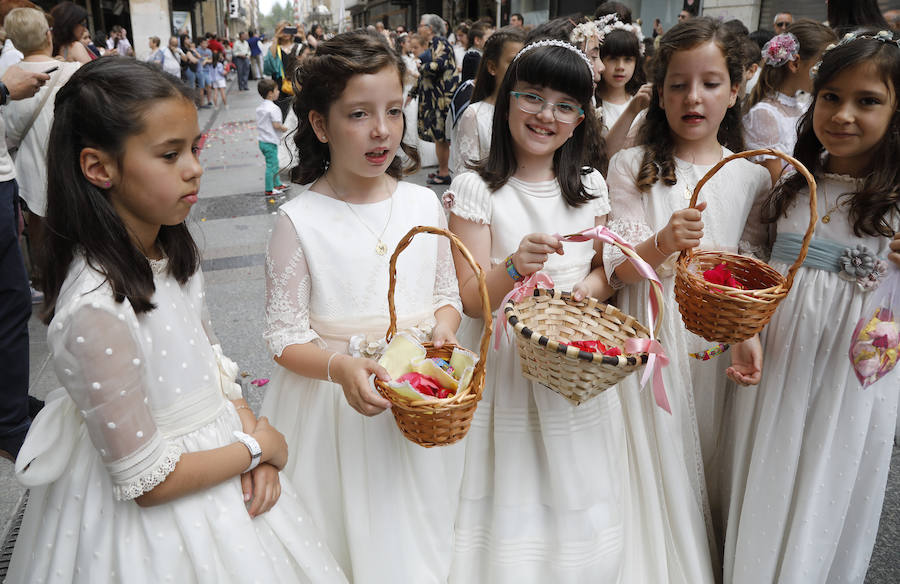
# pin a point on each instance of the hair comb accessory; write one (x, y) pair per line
(556, 43)
(884, 36)
(591, 29)
(619, 25)
(781, 50)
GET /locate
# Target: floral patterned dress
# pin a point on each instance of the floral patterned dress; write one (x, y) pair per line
(437, 82)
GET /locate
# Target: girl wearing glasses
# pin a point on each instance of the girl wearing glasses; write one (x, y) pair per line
(541, 499)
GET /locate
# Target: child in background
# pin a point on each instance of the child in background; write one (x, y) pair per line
(693, 122)
(622, 52)
(812, 446)
(269, 129)
(779, 97)
(217, 79)
(141, 468)
(473, 131)
(541, 474)
(387, 504)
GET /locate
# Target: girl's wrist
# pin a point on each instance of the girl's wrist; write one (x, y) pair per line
(511, 269)
(657, 247)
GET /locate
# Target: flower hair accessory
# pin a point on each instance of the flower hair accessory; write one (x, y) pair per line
(591, 29)
(619, 25)
(781, 50)
(884, 36)
(556, 43)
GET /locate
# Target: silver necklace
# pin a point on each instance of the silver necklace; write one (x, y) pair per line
(381, 247)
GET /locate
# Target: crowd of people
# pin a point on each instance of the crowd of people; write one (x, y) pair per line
(762, 461)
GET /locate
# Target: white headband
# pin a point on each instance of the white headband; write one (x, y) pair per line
(556, 43)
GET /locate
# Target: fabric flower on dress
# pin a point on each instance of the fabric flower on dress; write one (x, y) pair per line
(781, 50)
(862, 266)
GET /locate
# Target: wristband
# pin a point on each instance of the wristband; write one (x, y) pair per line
(328, 367)
(252, 445)
(512, 271)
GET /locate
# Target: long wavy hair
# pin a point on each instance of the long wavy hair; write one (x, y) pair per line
(101, 106)
(324, 76)
(812, 37)
(655, 135)
(562, 70)
(873, 204)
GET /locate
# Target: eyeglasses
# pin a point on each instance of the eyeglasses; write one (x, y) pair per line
(564, 112)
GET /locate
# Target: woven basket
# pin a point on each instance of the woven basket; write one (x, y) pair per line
(443, 421)
(548, 319)
(724, 314)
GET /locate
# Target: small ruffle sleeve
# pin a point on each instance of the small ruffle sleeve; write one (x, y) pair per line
(626, 216)
(469, 198)
(288, 287)
(99, 360)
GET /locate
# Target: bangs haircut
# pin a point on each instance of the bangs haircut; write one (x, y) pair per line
(324, 77)
(623, 43)
(101, 106)
(559, 69)
(873, 205)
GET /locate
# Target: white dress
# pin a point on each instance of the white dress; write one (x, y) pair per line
(668, 451)
(543, 483)
(473, 136)
(386, 505)
(812, 448)
(140, 390)
(772, 123)
(611, 114)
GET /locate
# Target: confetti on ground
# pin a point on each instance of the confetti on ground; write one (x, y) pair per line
(260, 382)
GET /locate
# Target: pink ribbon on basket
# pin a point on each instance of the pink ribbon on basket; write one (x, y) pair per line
(520, 291)
(656, 355)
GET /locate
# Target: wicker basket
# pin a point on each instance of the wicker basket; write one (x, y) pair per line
(547, 320)
(443, 421)
(724, 314)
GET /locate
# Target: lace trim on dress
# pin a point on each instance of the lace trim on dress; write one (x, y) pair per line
(760, 252)
(149, 479)
(844, 178)
(287, 318)
(633, 232)
(158, 266)
(787, 100)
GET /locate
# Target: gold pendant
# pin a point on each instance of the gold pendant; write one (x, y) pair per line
(826, 218)
(687, 193)
(381, 248)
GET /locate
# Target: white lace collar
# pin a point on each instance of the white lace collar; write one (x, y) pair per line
(158, 266)
(788, 100)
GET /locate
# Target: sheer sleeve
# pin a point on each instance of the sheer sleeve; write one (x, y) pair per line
(100, 362)
(626, 215)
(288, 287)
(446, 287)
(761, 130)
(467, 144)
(758, 237)
(469, 198)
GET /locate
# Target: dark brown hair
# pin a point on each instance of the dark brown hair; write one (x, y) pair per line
(879, 197)
(655, 134)
(493, 50)
(562, 70)
(324, 77)
(812, 37)
(101, 106)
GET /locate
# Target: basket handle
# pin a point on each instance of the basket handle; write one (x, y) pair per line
(605, 235)
(478, 373)
(813, 213)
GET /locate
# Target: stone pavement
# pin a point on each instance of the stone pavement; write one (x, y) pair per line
(232, 223)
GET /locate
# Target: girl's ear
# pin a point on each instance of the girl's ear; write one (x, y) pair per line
(317, 121)
(793, 66)
(98, 167)
(732, 99)
(492, 68)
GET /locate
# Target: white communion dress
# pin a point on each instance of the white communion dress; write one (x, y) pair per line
(141, 390)
(668, 452)
(472, 141)
(812, 448)
(386, 505)
(543, 485)
(772, 123)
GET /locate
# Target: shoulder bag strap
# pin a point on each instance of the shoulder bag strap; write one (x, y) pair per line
(37, 110)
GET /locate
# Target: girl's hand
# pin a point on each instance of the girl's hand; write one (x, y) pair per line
(353, 375)
(684, 230)
(265, 490)
(746, 362)
(533, 252)
(894, 256)
(442, 334)
(641, 99)
(272, 442)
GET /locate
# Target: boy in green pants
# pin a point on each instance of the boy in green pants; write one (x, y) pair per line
(269, 128)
